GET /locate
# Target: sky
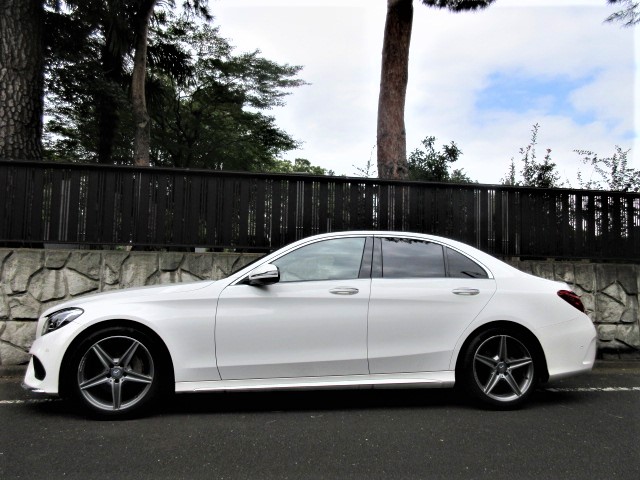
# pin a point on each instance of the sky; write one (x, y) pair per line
(481, 79)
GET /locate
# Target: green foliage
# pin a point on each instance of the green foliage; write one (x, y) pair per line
(206, 103)
(299, 165)
(433, 166)
(613, 172)
(533, 173)
(213, 119)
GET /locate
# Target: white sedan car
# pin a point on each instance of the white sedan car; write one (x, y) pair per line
(363, 309)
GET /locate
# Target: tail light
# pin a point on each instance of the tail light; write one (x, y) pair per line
(572, 299)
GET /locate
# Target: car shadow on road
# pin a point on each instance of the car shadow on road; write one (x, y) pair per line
(230, 402)
(342, 400)
(317, 400)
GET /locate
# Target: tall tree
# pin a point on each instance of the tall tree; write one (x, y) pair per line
(629, 15)
(141, 19)
(117, 33)
(214, 118)
(392, 142)
(142, 140)
(21, 78)
(205, 102)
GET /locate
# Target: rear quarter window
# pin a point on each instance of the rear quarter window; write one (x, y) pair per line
(461, 266)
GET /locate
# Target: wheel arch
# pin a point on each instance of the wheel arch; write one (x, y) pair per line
(63, 385)
(535, 343)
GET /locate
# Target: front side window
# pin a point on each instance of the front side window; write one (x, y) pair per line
(407, 258)
(336, 259)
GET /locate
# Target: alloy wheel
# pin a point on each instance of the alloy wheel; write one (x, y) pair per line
(503, 368)
(115, 373)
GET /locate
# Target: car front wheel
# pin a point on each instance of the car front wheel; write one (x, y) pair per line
(116, 372)
(499, 368)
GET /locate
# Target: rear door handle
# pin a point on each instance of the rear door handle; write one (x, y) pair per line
(465, 291)
(344, 291)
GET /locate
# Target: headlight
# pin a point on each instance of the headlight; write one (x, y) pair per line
(60, 319)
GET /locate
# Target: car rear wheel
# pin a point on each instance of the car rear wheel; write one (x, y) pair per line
(116, 372)
(499, 368)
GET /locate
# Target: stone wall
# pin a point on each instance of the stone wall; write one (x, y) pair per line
(33, 280)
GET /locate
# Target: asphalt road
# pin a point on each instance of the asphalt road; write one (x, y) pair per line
(587, 427)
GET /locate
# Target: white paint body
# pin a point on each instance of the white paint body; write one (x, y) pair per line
(223, 335)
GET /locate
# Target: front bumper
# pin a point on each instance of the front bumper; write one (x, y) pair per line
(47, 353)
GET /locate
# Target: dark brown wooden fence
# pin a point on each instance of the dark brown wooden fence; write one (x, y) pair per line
(95, 205)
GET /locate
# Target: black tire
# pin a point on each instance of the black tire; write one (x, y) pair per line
(500, 368)
(116, 373)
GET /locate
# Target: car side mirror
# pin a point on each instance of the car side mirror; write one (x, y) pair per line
(266, 274)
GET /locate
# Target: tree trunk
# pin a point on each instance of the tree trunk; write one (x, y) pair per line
(106, 102)
(21, 79)
(392, 137)
(142, 140)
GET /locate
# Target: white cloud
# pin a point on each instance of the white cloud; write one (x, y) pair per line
(452, 60)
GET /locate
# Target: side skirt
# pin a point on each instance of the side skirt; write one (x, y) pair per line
(441, 379)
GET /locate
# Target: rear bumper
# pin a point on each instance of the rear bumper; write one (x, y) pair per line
(570, 347)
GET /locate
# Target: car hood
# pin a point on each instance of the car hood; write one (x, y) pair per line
(133, 294)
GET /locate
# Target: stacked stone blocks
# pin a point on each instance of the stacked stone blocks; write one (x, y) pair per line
(34, 280)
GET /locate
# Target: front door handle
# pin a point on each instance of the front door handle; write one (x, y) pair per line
(466, 291)
(344, 291)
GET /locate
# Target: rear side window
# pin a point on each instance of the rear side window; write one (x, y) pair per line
(407, 258)
(460, 266)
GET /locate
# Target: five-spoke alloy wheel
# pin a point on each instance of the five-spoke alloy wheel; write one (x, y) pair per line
(499, 368)
(116, 372)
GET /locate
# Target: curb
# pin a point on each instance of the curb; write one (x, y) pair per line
(12, 371)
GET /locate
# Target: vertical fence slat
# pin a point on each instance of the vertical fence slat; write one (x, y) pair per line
(484, 220)
(276, 214)
(498, 224)
(18, 203)
(213, 205)
(161, 202)
(338, 211)
(398, 208)
(292, 211)
(57, 178)
(323, 207)
(36, 208)
(243, 212)
(307, 210)
(6, 211)
(633, 225)
(366, 215)
(383, 207)
(260, 215)
(227, 211)
(566, 232)
(93, 214)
